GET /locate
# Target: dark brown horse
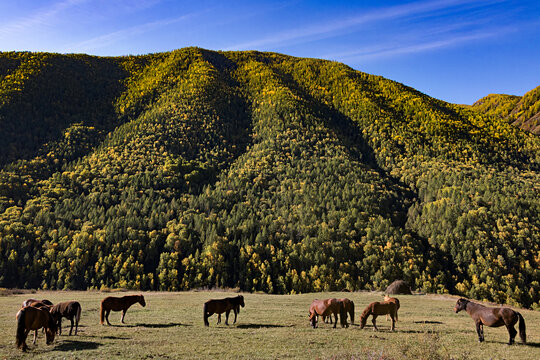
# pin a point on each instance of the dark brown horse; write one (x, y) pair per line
(349, 308)
(328, 308)
(71, 310)
(220, 306)
(395, 301)
(33, 318)
(379, 308)
(118, 304)
(493, 317)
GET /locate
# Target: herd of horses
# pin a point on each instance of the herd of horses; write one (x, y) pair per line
(37, 314)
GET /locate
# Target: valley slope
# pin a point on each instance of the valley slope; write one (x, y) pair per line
(261, 171)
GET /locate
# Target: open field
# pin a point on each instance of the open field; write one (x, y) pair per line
(270, 326)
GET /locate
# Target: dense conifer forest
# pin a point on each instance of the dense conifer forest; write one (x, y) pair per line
(260, 171)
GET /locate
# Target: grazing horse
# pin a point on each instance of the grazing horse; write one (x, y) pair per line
(28, 302)
(33, 318)
(220, 306)
(379, 308)
(493, 317)
(395, 301)
(44, 305)
(328, 308)
(70, 310)
(118, 304)
(349, 308)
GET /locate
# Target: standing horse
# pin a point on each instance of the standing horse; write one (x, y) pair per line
(71, 310)
(220, 306)
(118, 304)
(493, 317)
(395, 301)
(33, 318)
(327, 308)
(379, 308)
(349, 308)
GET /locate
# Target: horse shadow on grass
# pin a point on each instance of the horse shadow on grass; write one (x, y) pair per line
(260, 326)
(69, 345)
(428, 322)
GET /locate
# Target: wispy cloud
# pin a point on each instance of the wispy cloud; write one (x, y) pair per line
(329, 29)
(116, 36)
(377, 52)
(43, 17)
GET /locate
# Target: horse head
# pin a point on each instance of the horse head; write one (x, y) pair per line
(51, 328)
(141, 301)
(313, 319)
(241, 298)
(461, 304)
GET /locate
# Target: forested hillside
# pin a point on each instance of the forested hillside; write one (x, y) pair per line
(260, 171)
(522, 111)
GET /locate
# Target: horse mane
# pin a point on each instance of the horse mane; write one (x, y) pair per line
(367, 311)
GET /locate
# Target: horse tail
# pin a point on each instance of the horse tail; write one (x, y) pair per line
(522, 333)
(101, 314)
(352, 312)
(205, 314)
(19, 339)
(78, 315)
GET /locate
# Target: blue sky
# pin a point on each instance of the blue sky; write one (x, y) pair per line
(454, 50)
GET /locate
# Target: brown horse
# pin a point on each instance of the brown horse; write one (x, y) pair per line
(395, 301)
(349, 308)
(44, 305)
(328, 308)
(378, 308)
(33, 318)
(118, 304)
(220, 306)
(493, 317)
(28, 302)
(71, 310)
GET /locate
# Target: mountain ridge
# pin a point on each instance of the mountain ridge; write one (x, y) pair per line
(259, 171)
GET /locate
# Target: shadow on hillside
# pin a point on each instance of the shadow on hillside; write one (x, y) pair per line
(69, 345)
(259, 326)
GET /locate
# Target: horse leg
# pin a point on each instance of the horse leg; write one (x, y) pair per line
(235, 313)
(24, 346)
(107, 316)
(374, 322)
(72, 323)
(123, 314)
(35, 337)
(393, 322)
(512, 332)
(335, 319)
(480, 331)
(227, 317)
(218, 319)
(60, 326)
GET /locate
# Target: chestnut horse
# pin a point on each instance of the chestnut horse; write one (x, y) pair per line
(44, 305)
(349, 308)
(118, 304)
(493, 317)
(379, 308)
(220, 306)
(33, 318)
(395, 301)
(325, 308)
(71, 310)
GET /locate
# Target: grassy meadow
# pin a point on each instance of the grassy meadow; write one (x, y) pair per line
(269, 327)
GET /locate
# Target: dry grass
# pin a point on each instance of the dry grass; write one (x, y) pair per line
(269, 327)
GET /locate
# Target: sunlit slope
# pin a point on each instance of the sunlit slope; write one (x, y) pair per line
(268, 173)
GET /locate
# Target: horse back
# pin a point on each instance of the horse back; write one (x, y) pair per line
(34, 318)
(218, 306)
(66, 309)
